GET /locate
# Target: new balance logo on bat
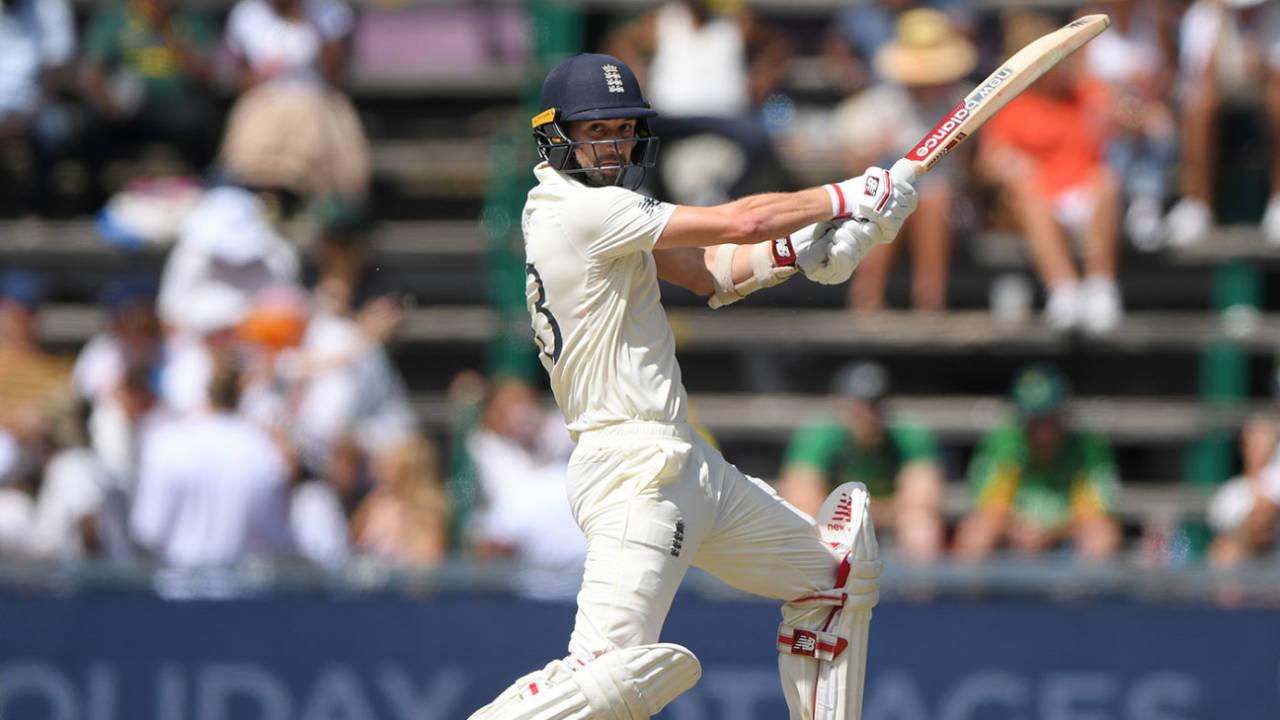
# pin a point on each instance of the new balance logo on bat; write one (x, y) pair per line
(944, 129)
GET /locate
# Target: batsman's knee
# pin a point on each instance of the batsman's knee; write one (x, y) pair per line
(622, 684)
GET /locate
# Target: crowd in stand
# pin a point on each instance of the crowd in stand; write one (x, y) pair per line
(226, 410)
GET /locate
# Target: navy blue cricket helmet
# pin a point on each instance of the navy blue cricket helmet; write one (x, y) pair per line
(593, 87)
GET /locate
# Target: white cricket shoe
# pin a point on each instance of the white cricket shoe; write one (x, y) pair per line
(1271, 221)
(1143, 223)
(1062, 310)
(1100, 305)
(1188, 222)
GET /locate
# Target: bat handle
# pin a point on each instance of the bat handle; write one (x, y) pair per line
(904, 171)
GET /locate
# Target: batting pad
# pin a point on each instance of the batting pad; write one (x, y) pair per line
(622, 684)
(822, 642)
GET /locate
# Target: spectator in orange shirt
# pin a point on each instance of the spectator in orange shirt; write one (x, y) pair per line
(1045, 153)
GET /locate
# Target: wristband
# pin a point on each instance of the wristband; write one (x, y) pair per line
(838, 206)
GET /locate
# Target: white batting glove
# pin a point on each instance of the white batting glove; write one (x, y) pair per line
(876, 196)
(860, 235)
(820, 256)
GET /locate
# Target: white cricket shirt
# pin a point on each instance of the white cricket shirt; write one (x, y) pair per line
(592, 292)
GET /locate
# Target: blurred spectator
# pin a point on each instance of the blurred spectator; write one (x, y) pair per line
(322, 375)
(31, 381)
(228, 250)
(861, 31)
(895, 457)
(73, 491)
(318, 515)
(213, 488)
(119, 429)
(705, 65)
(340, 247)
(1035, 482)
(293, 127)
(1045, 153)
(521, 455)
(405, 519)
(1244, 512)
(921, 66)
(115, 373)
(289, 39)
(1229, 52)
(17, 507)
(1132, 60)
(37, 42)
(131, 337)
(146, 73)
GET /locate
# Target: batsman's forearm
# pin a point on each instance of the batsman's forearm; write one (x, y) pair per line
(769, 216)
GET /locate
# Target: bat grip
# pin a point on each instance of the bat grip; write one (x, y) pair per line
(903, 171)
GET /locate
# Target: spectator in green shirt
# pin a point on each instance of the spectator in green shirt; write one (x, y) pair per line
(895, 457)
(146, 73)
(1037, 483)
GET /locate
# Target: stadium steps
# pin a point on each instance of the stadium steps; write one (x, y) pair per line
(438, 260)
(955, 418)
(831, 331)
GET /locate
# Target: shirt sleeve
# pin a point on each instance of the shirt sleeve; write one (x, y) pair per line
(1270, 480)
(914, 441)
(1096, 486)
(239, 27)
(995, 473)
(58, 43)
(611, 221)
(99, 39)
(334, 20)
(814, 445)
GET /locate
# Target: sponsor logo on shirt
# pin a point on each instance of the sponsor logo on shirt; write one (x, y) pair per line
(647, 205)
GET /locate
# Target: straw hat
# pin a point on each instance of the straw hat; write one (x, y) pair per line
(926, 50)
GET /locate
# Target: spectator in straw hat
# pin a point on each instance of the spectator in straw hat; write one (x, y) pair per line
(921, 67)
(861, 30)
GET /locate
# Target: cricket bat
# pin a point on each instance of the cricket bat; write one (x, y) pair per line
(1011, 78)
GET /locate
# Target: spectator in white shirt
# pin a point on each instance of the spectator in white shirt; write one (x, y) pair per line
(1245, 511)
(323, 375)
(214, 487)
(226, 253)
(293, 127)
(73, 492)
(295, 39)
(521, 457)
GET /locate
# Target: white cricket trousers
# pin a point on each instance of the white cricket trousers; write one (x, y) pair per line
(655, 498)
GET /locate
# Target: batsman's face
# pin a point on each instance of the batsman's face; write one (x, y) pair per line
(611, 143)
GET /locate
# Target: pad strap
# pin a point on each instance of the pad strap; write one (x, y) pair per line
(771, 263)
(811, 643)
